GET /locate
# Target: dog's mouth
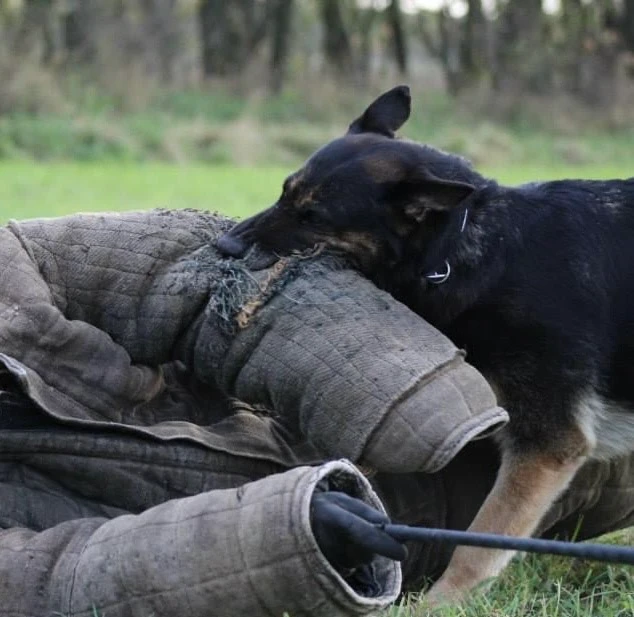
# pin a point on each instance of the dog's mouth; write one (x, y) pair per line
(257, 257)
(239, 243)
(248, 239)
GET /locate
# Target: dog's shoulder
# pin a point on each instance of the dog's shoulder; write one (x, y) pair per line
(581, 196)
(564, 244)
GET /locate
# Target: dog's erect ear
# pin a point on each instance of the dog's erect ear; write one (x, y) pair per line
(416, 196)
(386, 114)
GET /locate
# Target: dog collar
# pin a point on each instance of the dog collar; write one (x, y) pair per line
(438, 278)
(464, 220)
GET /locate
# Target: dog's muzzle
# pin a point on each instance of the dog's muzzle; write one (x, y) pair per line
(239, 239)
(239, 243)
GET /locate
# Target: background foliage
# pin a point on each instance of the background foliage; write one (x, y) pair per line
(266, 81)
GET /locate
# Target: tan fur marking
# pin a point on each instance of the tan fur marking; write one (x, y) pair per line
(305, 199)
(354, 243)
(383, 170)
(416, 211)
(293, 182)
(526, 487)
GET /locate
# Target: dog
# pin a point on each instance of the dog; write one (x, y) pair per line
(535, 282)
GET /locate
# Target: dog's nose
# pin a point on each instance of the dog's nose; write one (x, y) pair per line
(231, 246)
(240, 238)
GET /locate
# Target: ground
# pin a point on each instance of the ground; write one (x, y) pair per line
(533, 587)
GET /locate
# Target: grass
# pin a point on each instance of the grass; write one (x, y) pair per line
(30, 189)
(531, 587)
(539, 586)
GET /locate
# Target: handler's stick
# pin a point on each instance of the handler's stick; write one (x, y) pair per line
(594, 552)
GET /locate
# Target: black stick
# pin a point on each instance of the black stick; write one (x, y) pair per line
(594, 552)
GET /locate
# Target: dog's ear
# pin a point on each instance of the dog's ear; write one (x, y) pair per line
(386, 114)
(416, 196)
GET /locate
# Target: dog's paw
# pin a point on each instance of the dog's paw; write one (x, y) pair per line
(443, 592)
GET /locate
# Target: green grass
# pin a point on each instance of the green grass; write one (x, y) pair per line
(31, 190)
(539, 586)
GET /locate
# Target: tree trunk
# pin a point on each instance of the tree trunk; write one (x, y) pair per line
(212, 17)
(367, 19)
(337, 48)
(473, 51)
(280, 44)
(449, 52)
(575, 25)
(399, 40)
(41, 32)
(520, 62)
(628, 24)
(229, 33)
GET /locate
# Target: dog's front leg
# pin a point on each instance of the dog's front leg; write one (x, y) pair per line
(525, 488)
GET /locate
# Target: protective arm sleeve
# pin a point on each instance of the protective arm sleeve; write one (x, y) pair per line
(245, 551)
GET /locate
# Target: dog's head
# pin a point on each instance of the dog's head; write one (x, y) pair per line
(368, 195)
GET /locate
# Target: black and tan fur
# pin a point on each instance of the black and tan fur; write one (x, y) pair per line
(540, 294)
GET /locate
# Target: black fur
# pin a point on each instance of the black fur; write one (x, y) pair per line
(541, 291)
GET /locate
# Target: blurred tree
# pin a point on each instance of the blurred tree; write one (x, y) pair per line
(230, 32)
(366, 21)
(460, 44)
(280, 44)
(627, 26)
(336, 40)
(512, 45)
(397, 34)
(473, 48)
(39, 33)
(519, 48)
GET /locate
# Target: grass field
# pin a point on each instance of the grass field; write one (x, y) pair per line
(533, 587)
(32, 190)
(540, 586)
(36, 189)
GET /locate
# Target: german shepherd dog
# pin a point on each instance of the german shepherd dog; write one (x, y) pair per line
(536, 282)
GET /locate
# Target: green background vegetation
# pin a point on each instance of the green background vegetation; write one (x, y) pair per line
(33, 189)
(227, 153)
(539, 586)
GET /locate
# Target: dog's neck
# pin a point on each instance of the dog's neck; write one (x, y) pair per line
(464, 257)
